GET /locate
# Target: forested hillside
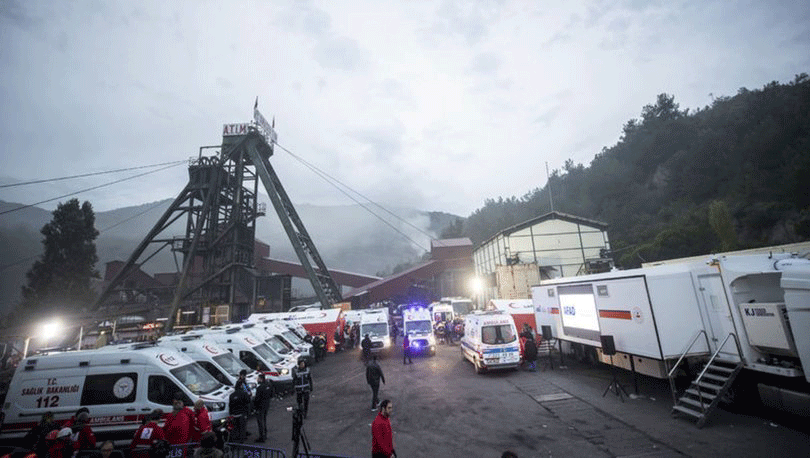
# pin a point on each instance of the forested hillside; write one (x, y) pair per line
(678, 183)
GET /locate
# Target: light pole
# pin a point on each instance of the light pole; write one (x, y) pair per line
(477, 287)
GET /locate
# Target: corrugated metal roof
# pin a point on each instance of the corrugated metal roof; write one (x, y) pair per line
(548, 216)
(463, 241)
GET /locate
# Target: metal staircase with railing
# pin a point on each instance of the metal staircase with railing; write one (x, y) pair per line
(710, 386)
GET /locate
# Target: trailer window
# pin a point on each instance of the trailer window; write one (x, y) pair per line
(498, 334)
(101, 389)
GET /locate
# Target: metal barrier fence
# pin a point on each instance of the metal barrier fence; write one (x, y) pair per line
(233, 450)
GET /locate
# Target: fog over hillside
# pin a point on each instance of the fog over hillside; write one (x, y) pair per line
(347, 237)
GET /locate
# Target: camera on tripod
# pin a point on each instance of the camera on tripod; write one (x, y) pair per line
(299, 437)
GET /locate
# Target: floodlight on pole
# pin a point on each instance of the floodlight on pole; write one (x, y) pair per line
(50, 329)
(476, 285)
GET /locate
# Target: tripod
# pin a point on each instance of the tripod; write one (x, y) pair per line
(614, 385)
(299, 437)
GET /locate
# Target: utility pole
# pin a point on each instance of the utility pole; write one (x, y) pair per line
(548, 185)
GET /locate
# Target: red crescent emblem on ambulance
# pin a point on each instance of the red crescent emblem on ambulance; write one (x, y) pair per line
(168, 360)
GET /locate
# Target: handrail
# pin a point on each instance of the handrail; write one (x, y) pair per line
(683, 355)
(714, 356)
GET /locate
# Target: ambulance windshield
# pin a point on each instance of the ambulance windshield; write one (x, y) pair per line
(231, 364)
(418, 327)
(269, 355)
(196, 379)
(292, 338)
(277, 345)
(497, 334)
(462, 307)
(374, 329)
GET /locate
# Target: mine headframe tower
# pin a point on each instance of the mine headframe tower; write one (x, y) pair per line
(220, 209)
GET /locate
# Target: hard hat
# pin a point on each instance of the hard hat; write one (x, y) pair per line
(64, 432)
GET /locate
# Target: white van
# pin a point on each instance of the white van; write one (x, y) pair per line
(490, 341)
(270, 336)
(253, 352)
(289, 338)
(119, 384)
(219, 362)
(442, 313)
(375, 324)
(417, 326)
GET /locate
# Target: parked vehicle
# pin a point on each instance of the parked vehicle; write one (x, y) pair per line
(119, 384)
(490, 341)
(748, 310)
(417, 326)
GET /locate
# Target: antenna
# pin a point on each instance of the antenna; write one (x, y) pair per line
(548, 185)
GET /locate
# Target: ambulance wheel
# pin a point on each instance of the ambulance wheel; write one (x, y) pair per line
(478, 368)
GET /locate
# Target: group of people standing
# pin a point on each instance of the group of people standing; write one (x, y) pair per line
(50, 439)
(449, 331)
(528, 347)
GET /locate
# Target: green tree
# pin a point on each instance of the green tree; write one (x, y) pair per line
(60, 279)
(453, 230)
(723, 227)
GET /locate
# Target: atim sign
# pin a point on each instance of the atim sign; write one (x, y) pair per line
(235, 129)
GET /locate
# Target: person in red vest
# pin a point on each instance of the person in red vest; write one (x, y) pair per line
(203, 423)
(61, 446)
(149, 432)
(382, 437)
(180, 422)
(82, 436)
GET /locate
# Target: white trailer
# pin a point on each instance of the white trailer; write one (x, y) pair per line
(750, 309)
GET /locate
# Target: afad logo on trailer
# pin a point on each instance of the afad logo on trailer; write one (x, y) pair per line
(168, 360)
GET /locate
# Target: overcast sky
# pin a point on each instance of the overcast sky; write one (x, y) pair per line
(433, 104)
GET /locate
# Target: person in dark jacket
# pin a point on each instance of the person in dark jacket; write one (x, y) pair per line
(261, 404)
(239, 405)
(302, 378)
(35, 439)
(374, 375)
(406, 349)
(366, 344)
(530, 353)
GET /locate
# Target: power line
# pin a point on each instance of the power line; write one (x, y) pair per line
(332, 180)
(92, 188)
(101, 231)
(50, 180)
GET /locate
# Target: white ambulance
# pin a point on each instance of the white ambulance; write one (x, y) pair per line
(417, 326)
(253, 352)
(219, 362)
(119, 384)
(490, 341)
(375, 323)
(288, 338)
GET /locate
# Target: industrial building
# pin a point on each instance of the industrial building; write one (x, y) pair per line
(549, 246)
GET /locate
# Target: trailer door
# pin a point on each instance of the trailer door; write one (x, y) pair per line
(717, 309)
